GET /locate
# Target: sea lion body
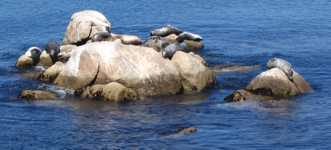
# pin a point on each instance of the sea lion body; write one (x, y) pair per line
(188, 36)
(165, 31)
(53, 49)
(158, 43)
(101, 36)
(282, 64)
(34, 53)
(170, 50)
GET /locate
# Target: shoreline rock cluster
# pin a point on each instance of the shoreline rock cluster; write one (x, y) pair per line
(97, 63)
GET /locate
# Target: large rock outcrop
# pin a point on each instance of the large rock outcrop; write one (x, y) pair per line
(138, 68)
(83, 25)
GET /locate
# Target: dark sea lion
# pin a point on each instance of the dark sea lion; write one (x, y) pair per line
(170, 50)
(283, 65)
(188, 36)
(158, 43)
(165, 31)
(53, 49)
(34, 53)
(101, 36)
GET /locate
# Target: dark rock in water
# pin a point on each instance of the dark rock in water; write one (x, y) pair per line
(37, 95)
(188, 130)
(244, 95)
(165, 31)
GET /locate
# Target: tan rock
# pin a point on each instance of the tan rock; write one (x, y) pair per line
(45, 60)
(65, 52)
(37, 95)
(127, 39)
(136, 67)
(84, 25)
(274, 82)
(111, 92)
(52, 72)
(195, 74)
(24, 61)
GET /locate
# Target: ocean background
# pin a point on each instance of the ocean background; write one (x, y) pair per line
(235, 32)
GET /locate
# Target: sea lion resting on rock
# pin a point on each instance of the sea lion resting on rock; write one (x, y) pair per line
(188, 36)
(165, 31)
(101, 36)
(30, 58)
(282, 64)
(34, 53)
(53, 49)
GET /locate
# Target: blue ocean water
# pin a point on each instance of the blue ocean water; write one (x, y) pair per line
(235, 32)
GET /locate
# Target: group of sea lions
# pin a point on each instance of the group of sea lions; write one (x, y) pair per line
(169, 39)
(33, 54)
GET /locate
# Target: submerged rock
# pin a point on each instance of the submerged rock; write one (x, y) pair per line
(83, 25)
(37, 95)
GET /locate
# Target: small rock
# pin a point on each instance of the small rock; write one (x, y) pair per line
(188, 130)
(45, 60)
(37, 95)
(52, 72)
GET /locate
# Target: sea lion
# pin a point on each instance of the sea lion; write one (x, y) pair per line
(101, 36)
(34, 53)
(156, 42)
(168, 50)
(53, 49)
(165, 31)
(188, 36)
(283, 65)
